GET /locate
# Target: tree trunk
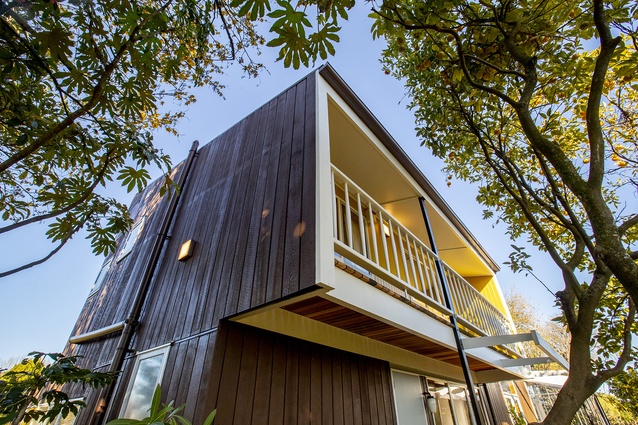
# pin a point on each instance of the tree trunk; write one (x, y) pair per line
(571, 397)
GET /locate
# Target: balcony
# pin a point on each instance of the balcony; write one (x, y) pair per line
(370, 241)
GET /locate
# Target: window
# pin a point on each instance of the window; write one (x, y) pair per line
(131, 238)
(452, 407)
(59, 420)
(100, 278)
(148, 371)
(409, 398)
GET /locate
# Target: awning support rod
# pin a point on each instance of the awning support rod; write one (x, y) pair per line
(467, 373)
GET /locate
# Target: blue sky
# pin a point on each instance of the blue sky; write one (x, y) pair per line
(39, 306)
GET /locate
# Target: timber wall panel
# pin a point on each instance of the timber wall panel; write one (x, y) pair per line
(244, 207)
(111, 303)
(261, 377)
(496, 404)
(249, 203)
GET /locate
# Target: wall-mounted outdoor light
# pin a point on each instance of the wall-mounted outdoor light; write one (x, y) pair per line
(186, 251)
(430, 402)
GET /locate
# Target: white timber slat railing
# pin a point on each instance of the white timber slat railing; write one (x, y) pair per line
(368, 236)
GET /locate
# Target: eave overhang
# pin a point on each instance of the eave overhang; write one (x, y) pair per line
(329, 74)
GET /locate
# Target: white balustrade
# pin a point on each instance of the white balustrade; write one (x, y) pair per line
(366, 234)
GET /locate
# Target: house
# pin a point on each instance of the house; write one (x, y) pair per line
(307, 273)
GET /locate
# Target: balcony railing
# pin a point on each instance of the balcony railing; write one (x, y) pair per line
(367, 235)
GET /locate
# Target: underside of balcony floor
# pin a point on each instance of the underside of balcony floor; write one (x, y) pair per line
(333, 314)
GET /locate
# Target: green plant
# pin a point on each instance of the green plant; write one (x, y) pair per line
(82, 94)
(33, 381)
(517, 417)
(160, 413)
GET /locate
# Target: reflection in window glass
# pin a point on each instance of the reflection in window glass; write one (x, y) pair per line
(146, 378)
(459, 399)
(100, 278)
(441, 393)
(131, 238)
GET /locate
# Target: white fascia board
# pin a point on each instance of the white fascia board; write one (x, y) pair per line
(524, 361)
(325, 90)
(491, 341)
(90, 336)
(324, 221)
(360, 296)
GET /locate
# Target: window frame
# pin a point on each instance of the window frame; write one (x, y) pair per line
(139, 357)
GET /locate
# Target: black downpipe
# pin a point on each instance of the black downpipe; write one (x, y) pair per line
(104, 408)
(455, 327)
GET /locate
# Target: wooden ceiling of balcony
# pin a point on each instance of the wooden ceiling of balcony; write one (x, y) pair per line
(333, 314)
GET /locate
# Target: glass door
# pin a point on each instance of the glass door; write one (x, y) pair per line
(450, 406)
(408, 399)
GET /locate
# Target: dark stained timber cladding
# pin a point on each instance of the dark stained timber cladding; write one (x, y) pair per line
(250, 206)
(111, 303)
(249, 203)
(261, 377)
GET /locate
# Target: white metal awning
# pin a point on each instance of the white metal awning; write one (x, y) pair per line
(490, 341)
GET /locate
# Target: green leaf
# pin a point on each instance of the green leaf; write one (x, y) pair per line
(58, 42)
(210, 418)
(132, 177)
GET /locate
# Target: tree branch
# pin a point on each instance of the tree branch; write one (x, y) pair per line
(628, 224)
(43, 64)
(460, 53)
(499, 70)
(93, 100)
(519, 196)
(43, 259)
(594, 129)
(226, 28)
(625, 355)
(87, 193)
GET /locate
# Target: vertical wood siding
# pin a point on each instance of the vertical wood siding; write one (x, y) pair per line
(249, 203)
(496, 404)
(261, 377)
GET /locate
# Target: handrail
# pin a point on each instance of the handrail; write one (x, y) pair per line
(367, 234)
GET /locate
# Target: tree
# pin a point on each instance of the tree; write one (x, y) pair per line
(536, 102)
(623, 387)
(526, 319)
(547, 129)
(615, 411)
(82, 91)
(33, 382)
